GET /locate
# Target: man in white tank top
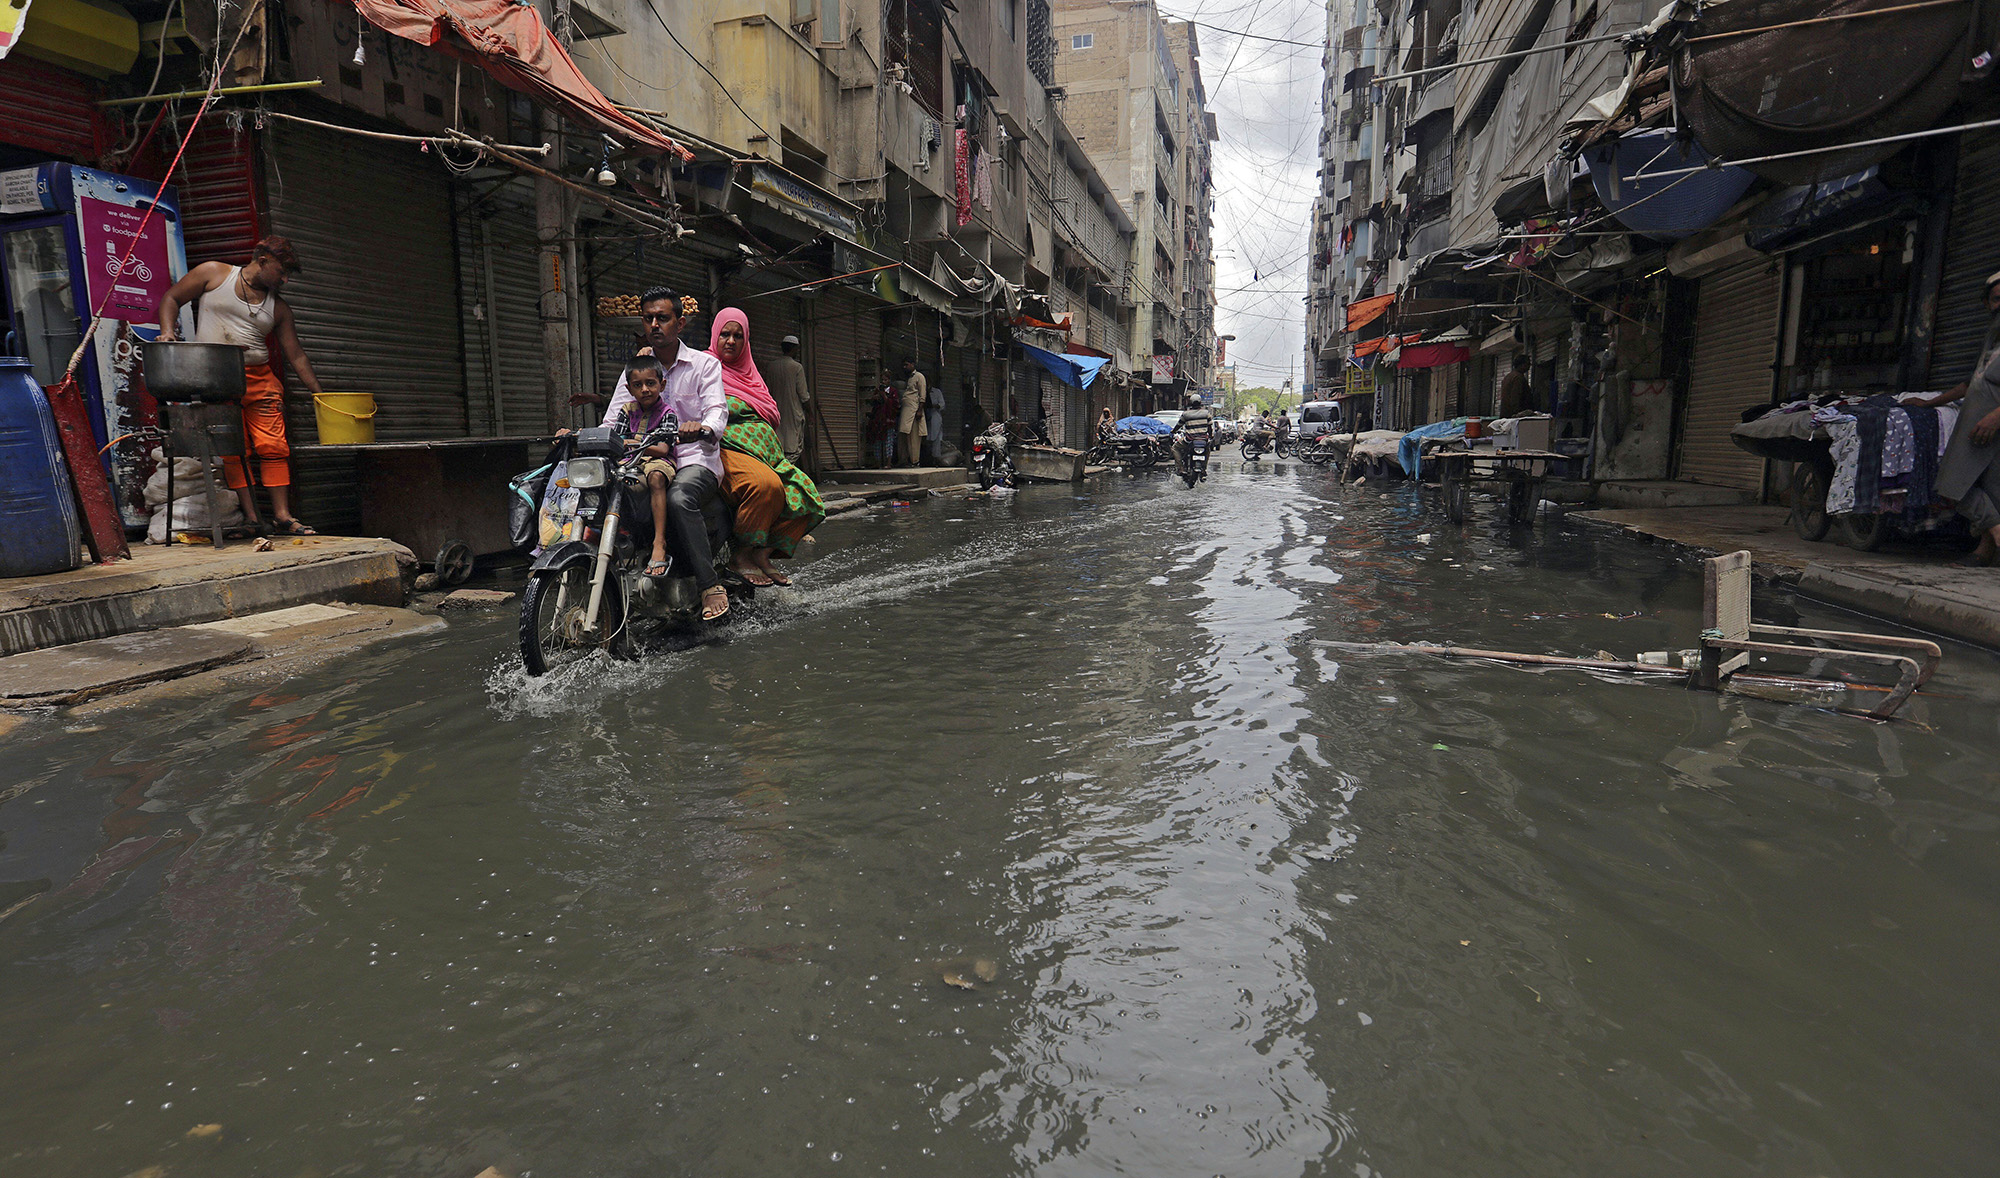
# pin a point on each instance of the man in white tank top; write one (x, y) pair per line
(240, 305)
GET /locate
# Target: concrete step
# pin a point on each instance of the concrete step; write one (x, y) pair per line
(919, 476)
(1639, 493)
(179, 586)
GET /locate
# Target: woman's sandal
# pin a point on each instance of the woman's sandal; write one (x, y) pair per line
(709, 596)
(777, 578)
(755, 576)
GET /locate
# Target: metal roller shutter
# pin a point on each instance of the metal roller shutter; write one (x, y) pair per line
(50, 110)
(1972, 252)
(1735, 342)
(219, 194)
(498, 314)
(377, 304)
(840, 353)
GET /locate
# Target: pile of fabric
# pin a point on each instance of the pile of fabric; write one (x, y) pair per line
(1885, 453)
(190, 509)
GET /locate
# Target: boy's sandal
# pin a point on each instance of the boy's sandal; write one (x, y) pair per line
(657, 568)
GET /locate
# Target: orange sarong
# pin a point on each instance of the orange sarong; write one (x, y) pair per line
(263, 431)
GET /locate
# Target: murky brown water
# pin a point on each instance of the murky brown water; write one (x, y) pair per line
(1247, 909)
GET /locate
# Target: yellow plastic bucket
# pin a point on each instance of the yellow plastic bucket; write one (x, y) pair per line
(345, 419)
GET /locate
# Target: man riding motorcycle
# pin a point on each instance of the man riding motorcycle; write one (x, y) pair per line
(1196, 425)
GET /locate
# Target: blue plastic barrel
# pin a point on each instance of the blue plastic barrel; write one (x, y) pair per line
(38, 524)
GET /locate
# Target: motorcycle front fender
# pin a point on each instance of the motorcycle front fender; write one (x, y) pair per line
(564, 554)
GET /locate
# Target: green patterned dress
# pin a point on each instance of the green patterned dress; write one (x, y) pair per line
(750, 435)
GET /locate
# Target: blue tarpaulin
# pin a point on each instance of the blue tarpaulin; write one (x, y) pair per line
(1410, 450)
(1070, 368)
(1144, 425)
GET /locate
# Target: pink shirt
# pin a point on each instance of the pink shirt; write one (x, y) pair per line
(694, 393)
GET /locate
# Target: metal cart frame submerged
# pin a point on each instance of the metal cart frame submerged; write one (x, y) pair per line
(1522, 472)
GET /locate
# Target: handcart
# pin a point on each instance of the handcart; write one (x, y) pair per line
(1520, 472)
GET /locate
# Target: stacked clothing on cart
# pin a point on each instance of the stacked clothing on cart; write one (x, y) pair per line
(1885, 455)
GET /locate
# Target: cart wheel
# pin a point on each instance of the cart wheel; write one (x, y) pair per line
(1521, 499)
(1863, 533)
(454, 562)
(1809, 518)
(1457, 490)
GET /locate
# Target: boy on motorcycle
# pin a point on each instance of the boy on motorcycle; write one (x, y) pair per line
(647, 478)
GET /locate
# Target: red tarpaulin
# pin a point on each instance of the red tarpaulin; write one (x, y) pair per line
(1361, 314)
(1432, 355)
(510, 42)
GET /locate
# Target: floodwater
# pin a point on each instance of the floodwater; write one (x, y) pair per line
(1036, 837)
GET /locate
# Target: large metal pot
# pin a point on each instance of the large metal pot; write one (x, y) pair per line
(188, 371)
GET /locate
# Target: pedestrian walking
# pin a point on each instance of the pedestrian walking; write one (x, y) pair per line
(910, 422)
(787, 381)
(240, 305)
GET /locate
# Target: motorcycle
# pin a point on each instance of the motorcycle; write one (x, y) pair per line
(587, 586)
(1256, 443)
(990, 463)
(1319, 451)
(1125, 448)
(1194, 467)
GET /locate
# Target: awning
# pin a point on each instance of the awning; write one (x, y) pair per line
(1384, 343)
(510, 42)
(1433, 355)
(1671, 206)
(1070, 367)
(1361, 314)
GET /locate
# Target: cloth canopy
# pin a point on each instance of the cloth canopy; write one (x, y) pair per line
(510, 42)
(1361, 314)
(1383, 343)
(1144, 425)
(1432, 355)
(1068, 367)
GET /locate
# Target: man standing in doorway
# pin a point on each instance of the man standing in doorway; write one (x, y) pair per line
(240, 305)
(786, 378)
(1514, 390)
(910, 424)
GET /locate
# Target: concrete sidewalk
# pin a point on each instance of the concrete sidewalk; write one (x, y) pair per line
(1915, 585)
(161, 587)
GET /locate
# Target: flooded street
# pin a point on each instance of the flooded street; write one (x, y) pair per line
(1033, 836)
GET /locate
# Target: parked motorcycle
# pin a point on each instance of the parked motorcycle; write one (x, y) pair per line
(990, 462)
(1318, 452)
(1194, 468)
(586, 587)
(1127, 448)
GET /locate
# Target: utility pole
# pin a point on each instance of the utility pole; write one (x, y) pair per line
(555, 225)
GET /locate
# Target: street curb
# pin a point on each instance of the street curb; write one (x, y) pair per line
(1933, 610)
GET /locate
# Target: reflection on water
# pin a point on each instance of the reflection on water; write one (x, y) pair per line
(1041, 837)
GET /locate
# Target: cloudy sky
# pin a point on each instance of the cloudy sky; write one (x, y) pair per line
(1265, 96)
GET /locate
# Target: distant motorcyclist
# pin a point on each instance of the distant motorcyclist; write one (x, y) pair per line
(1195, 427)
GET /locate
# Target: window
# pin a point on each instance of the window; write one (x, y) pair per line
(1082, 40)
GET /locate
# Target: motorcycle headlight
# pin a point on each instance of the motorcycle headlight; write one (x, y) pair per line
(587, 472)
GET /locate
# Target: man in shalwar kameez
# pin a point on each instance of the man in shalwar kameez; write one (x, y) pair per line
(1970, 472)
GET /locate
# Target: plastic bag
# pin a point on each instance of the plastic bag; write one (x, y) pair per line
(524, 504)
(560, 503)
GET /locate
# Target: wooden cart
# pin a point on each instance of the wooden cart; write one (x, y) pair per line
(1520, 472)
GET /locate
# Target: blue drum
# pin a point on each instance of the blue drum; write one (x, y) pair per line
(39, 531)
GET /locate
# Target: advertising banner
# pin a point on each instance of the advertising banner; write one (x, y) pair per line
(107, 232)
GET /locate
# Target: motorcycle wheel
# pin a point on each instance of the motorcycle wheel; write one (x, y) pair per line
(1190, 477)
(1251, 453)
(552, 619)
(1282, 449)
(984, 472)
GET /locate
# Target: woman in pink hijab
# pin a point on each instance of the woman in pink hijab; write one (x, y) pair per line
(776, 502)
